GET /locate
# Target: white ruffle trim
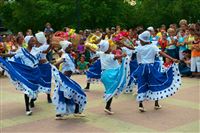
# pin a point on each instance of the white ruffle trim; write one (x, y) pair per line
(20, 86)
(44, 90)
(129, 89)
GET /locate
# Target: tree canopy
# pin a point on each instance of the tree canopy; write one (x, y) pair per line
(20, 15)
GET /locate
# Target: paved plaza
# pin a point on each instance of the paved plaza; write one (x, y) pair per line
(180, 113)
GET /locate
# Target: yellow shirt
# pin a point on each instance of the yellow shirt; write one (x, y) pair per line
(190, 39)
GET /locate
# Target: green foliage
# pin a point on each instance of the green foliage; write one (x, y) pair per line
(23, 14)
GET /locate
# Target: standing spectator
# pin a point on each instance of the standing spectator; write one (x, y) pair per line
(162, 42)
(9, 44)
(21, 42)
(181, 44)
(81, 47)
(29, 32)
(172, 41)
(162, 30)
(20, 34)
(195, 55)
(190, 38)
(48, 30)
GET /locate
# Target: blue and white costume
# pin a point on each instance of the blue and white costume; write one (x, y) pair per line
(113, 76)
(45, 68)
(24, 73)
(68, 64)
(67, 93)
(152, 83)
(94, 72)
(133, 65)
(66, 88)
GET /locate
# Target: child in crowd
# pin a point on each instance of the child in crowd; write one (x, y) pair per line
(82, 65)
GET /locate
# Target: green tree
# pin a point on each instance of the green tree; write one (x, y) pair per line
(19, 15)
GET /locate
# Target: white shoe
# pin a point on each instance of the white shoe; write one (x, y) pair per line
(157, 107)
(141, 109)
(28, 113)
(108, 111)
(79, 115)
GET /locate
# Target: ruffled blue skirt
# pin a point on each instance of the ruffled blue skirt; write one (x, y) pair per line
(115, 80)
(45, 70)
(133, 66)
(25, 78)
(68, 89)
(94, 72)
(156, 85)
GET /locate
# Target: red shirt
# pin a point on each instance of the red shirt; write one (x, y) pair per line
(162, 44)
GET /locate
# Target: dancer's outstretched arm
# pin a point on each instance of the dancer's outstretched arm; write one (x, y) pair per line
(167, 56)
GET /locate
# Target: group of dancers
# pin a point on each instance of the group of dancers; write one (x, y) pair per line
(31, 73)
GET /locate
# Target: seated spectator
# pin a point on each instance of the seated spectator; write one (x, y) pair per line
(184, 65)
(82, 65)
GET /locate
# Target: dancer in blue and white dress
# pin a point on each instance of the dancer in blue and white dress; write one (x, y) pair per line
(24, 73)
(114, 76)
(40, 52)
(152, 83)
(94, 72)
(133, 66)
(68, 97)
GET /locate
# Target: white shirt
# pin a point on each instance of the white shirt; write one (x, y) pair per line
(68, 64)
(37, 51)
(19, 56)
(146, 54)
(128, 51)
(107, 61)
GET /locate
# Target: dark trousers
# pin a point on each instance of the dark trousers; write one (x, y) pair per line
(108, 104)
(27, 103)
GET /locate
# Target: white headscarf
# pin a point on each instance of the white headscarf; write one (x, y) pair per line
(41, 37)
(64, 44)
(27, 39)
(103, 45)
(145, 36)
(150, 28)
